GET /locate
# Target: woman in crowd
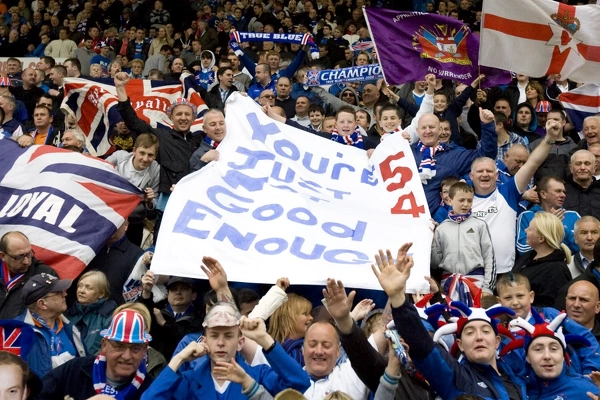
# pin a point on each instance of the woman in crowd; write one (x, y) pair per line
(288, 325)
(534, 93)
(546, 265)
(160, 40)
(93, 310)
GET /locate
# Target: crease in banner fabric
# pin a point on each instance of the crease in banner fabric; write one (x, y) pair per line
(283, 202)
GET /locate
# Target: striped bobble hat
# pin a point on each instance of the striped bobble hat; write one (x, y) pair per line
(5, 81)
(127, 326)
(543, 106)
(182, 102)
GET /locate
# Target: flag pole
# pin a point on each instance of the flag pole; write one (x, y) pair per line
(375, 43)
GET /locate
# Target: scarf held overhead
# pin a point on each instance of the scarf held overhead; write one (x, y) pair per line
(350, 74)
(297, 38)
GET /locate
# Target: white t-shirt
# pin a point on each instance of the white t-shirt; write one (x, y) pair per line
(343, 378)
(499, 211)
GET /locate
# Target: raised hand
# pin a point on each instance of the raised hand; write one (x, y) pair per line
(339, 304)
(283, 283)
(121, 78)
(393, 276)
(232, 372)
(255, 329)
(362, 309)
(486, 116)
(552, 130)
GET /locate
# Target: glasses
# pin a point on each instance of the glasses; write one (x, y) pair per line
(348, 94)
(53, 294)
(267, 96)
(21, 257)
(122, 347)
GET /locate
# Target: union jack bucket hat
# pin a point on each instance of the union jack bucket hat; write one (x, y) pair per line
(127, 326)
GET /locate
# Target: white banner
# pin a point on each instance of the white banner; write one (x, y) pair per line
(283, 202)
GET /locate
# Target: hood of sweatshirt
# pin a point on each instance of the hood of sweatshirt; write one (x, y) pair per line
(534, 120)
(341, 94)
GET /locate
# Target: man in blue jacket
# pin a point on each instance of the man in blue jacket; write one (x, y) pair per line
(479, 372)
(222, 340)
(437, 161)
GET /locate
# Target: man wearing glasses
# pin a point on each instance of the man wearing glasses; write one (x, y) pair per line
(56, 340)
(17, 265)
(119, 370)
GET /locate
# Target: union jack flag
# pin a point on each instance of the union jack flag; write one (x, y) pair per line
(67, 204)
(581, 103)
(94, 104)
(16, 337)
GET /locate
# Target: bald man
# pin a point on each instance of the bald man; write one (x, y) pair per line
(452, 160)
(17, 265)
(583, 190)
(583, 304)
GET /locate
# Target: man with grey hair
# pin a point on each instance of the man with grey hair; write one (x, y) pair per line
(498, 205)
(73, 139)
(583, 190)
(10, 126)
(591, 131)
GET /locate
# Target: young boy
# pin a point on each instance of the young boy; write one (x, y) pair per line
(514, 292)
(445, 207)
(316, 114)
(463, 245)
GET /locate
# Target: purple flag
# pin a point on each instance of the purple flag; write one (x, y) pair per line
(411, 45)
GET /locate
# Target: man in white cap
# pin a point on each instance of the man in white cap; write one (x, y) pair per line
(56, 340)
(221, 342)
(118, 371)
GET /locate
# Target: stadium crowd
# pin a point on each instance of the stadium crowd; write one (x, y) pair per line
(511, 185)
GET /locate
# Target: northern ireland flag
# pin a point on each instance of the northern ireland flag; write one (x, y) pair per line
(68, 204)
(581, 103)
(542, 37)
(94, 104)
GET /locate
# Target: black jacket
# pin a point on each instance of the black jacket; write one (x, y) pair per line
(74, 378)
(212, 97)
(546, 275)
(587, 275)
(116, 262)
(11, 304)
(369, 366)
(131, 50)
(175, 149)
(166, 338)
(584, 201)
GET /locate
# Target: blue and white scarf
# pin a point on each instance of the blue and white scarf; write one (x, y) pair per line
(427, 165)
(236, 37)
(101, 387)
(214, 144)
(355, 139)
(386, 134)
(459, 218)
(349, 74)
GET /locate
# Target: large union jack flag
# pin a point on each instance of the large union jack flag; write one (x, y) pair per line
(94, 104)
(68, 204)
(16, 337)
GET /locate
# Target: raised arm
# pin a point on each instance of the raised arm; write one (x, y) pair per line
(367, 363)
(217, 278)
(425, 108)
(284, 372)
(537, 157)
(129, 116)
(330, 99)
